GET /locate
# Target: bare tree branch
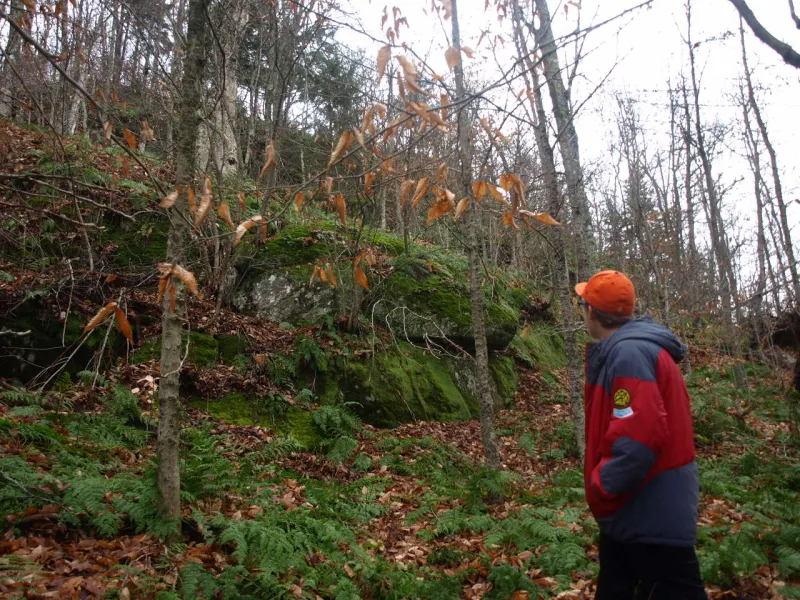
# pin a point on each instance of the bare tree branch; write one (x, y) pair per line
(786, 52)
(795, 18)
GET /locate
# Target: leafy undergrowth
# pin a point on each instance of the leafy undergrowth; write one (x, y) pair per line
(401, 513)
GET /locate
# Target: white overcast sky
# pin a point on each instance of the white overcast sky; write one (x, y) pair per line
(648, 50)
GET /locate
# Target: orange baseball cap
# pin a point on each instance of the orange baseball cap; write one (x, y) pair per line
(609, 291)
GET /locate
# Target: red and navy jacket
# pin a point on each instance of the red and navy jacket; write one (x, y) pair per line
(640, 474)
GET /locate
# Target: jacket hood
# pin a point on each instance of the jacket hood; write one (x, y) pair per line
(644, 328)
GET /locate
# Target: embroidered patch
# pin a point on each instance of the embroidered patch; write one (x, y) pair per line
(622, 399)
(621, 413)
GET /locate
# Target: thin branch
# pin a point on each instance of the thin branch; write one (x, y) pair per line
(784, 50)
(795, 18)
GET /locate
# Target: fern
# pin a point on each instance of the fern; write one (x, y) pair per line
(22, 397)
(334, 422)
(788, 561)
(341, 449)
(29, 433)
(205, 472)
(87, 378)
(279, 448)
(25, 411)
(564, 557)
(125, 405)
(86, 497)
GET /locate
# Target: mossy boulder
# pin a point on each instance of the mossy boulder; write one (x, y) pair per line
(49, 339)
(138, 246)
(203, 349)
(232, 345)
(406, 384)
(419, 301)
(542, 347)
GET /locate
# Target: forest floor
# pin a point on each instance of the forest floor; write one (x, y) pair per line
(399, 513)
(353, 512)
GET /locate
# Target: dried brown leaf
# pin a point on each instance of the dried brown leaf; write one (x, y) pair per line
(187, 278)
(421, 191)
(331, 275)
(452, 56)
(345, 140)
(101, 316)
(123, 325)
(190, 199)
(360, 277)
(384, 55)
(206, 202)
(168, 201)
(405, 190)
(299, 199)
(130, 138)
(341, 208)
(462, 206)
(245, 226)
(542, 217)
(224, 212)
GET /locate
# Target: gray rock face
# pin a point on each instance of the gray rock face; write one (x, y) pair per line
(276, 297)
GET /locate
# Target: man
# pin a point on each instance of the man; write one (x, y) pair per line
(640, 474)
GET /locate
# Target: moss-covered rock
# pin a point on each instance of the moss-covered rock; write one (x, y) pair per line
(49, 340)
(399, 387)
(232, 345)
(504, 377)
(542, 348)
(418, 304)
(203, 349)
(138, 246)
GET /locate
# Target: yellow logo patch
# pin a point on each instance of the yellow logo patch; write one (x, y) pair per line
(622, 399)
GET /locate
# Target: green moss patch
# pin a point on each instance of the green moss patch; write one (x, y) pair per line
(237, 409)
(203, 349)
(232, 345)
(399, 387)
(542, 348)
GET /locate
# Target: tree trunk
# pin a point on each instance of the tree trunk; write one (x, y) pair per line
(716, 226)
(786, 235)
(568, 143)
(11, 51)
(554, 202)
(580, 231)
(484, 393)
(227, 156)
(169, 389)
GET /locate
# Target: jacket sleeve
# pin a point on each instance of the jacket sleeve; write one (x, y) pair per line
(638, 425)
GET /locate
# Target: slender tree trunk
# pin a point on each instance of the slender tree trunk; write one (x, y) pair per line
(693, 257)
(568, 143)
(227, 157)
(758, 186)
(555, 206)
(786, 234)
(580, 231)
(169, 389)
(11, 52)
(484, 392)
(716, 226)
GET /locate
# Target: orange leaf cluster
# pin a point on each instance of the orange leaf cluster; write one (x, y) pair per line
(123, 324)
(166, 282)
